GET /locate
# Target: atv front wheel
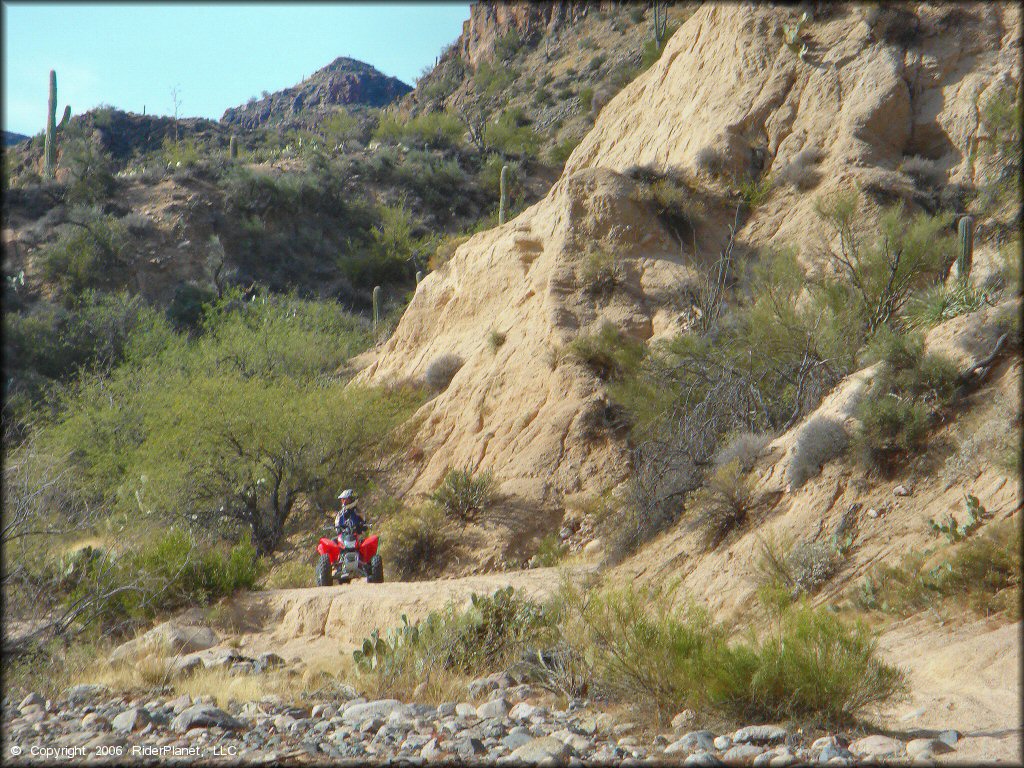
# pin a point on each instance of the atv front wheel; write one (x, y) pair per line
(376, 575)
(323, 571)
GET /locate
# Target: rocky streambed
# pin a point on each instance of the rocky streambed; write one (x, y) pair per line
(91, 723)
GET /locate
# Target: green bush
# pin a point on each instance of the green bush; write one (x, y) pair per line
(92, 253)
(586, 96)
(939, 303)
(646, 650)
(559, 153)
(511, 134)
(415, 542)
(490, 79)
(609, 352)
(463, 495)
(909, 390)
(982, 572)
(600, 273)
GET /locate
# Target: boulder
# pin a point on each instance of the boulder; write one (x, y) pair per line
(694, 741)
(546, 749)
(917, 747)
(204, 716)
(877, 746)
(497, 708)
(759, 734)
(134, 719)
(360, 713)
(742, 754)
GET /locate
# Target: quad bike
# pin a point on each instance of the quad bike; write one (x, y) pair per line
(348, 557)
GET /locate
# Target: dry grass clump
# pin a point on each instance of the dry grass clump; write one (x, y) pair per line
(800, 172)
(722, 504)
(822, 439)
(803, 568)
(744, 447)
(442, 370)
(710, 161)
(924, 172)
(600, 272)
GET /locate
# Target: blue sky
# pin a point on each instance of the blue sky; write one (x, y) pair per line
(218, 55)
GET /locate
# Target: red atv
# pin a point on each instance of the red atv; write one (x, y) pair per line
(348, 557)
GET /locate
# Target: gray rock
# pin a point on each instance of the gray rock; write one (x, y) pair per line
(703, 759)
(33, 699)
(916, 747)
(742, 754)
(358, 713)
(431, 750)
(79, 694)
(722, 743)
(877, 746)
(204, 716)
(447, 709)
(134, 719)
(269, 661)
(523, 711)
(694, 741)
(783, 760)
(542, 749)
(833, 751)
(465, 709)
(467, 749)
(759, 734)
(498, 708)
(95, 722)
(949, 738)
(170, 636)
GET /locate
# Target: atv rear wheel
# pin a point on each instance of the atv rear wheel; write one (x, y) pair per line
(323, 571)
(376, 575)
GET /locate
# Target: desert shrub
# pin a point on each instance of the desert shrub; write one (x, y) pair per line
(91, 173)
(415, 541)
(550, 551)
(92, 252)
(609, 352)
(879, 274)
(1002, 114)
(489, 633)
(745, 447)
(756, 191)
(672, 200)
(600, 272)
(710, 160)
(445, 249)
(909, 390)
(495, 340)
(463, 495)
(924, 172)
(982, 573)
(511, 135)
(442, 370)
(821, 440)
(723, 504)
(491, 78)
(939, 303)
(431, 130)
(648, 651)
(586, 97)
(291, 574)
(559, 153)
(808, 566)
(799, 172)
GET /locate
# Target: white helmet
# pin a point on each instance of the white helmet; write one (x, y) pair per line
(346, 496)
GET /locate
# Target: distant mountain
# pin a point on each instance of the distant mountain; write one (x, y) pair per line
(11, 138)
(343, 82)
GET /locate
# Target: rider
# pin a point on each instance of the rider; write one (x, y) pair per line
(348, 515)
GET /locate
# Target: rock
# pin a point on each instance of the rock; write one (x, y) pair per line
(877, 746)
(833, 751)
(431, 750)
(702, 758)
(783, 760)
(949, 738)
(759, 734)
(134, 719)
(516, 738)
(872, 513)
(916, 747)
(95, 722)
(79, 694)
(447, 709)
(683, 719)
(204, 716)
(901, 490)
(180, 704)
(358, 713)
(523, 711)
(628, 741)
(497, 708)
(722, 743)
(593, 549)
(266, 661)
(741, 754)
(621, 729)
(542, 750)
(481, 686)
(182, 666)
(470, 748)
(465, 709)
(694, 741)
(169, 636)
(33, 699)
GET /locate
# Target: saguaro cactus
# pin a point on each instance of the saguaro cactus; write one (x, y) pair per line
(376, 306)
(503, 206)
(963, 261)
(233, 147)
(52, 126)
(660, 22)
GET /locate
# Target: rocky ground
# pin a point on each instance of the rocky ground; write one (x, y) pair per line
(90, 723)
